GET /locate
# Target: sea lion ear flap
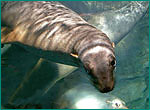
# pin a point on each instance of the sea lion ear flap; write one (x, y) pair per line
(88, 66)
(113, 44)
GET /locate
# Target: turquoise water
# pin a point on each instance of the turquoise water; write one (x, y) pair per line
(133, 66)
(31, 82)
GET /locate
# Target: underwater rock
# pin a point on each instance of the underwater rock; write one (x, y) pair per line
(94, 6)
(132, 91)
(76, 91)
(22, 87)
(132, 72)
(77, 6)
(5, 48)
(16, 62)
(47, 94)
(101, 6)
(133, 87)
(118, 23)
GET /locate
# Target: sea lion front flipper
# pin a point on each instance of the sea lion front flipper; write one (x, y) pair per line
(113, 45)
(74, 55)
(7, 35)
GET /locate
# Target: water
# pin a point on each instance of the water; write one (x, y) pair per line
(31, 82)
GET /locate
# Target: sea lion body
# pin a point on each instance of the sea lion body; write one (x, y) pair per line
(51, 27)
(46, 25)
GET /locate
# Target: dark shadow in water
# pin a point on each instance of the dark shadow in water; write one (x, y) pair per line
(23, 74)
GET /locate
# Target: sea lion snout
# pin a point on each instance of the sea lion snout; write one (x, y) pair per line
(106, 85)
(104, 81)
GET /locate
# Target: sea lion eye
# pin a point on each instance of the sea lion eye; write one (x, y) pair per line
(113, 63)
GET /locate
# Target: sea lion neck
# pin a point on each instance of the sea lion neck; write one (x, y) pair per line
(91, 40)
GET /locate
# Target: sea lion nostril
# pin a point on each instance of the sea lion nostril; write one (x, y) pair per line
(104, 78)
(107, 89)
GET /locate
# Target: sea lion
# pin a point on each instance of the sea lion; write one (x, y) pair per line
(41, 26)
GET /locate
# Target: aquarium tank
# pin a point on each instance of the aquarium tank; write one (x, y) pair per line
(32, 82)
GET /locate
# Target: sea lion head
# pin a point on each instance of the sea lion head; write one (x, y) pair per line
(100, 63)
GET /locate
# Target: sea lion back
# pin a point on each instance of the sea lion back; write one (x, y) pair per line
(47, 25)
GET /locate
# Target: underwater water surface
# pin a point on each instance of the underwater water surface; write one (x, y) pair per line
(32, 82)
